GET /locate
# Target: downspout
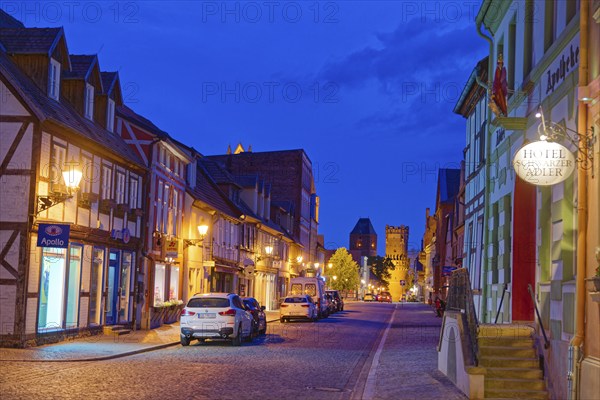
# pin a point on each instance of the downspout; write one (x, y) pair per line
(576, 346)
(486, 201)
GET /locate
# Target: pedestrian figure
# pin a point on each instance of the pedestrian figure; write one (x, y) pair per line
(439, 307)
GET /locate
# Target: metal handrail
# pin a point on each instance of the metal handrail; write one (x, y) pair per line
(460, 297)
(500, 305)
(537, 312)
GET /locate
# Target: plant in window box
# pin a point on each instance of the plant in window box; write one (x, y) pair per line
(107, 204)
(86, 199)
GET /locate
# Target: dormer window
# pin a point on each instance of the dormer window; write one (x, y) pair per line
(89, 101)
(54, 79)
(110, 116)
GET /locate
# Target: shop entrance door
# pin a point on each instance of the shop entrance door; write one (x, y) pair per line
(112, 285)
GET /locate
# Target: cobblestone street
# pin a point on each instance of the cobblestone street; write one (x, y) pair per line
(342, 357)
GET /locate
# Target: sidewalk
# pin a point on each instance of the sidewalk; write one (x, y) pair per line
(103, 347)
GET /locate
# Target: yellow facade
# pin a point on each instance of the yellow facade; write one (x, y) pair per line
(396, 248)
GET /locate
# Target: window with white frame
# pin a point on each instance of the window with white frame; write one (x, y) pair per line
(88, 174)
(89, 101)
(133, 193)
(120, 189)
(106, 182)
(54, 79)
(165, 216)
(57, 163)
(110, 116)
(159, 206)
(174, 212)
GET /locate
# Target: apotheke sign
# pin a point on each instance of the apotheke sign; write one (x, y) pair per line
(544, 163)
(53, 235)
(561, 67)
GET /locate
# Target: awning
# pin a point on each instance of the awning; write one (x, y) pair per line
(248, 262)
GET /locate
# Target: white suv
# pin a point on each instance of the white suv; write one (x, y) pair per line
(215, 316)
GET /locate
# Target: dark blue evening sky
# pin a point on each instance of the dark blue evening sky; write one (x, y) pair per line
(366, 88)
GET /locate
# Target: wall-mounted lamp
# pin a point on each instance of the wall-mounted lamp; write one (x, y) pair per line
(269, 250)
(71, 177)
(299, 259)
(202, 230)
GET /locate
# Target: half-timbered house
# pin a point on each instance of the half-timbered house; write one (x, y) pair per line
(169, 175)
(68, 251)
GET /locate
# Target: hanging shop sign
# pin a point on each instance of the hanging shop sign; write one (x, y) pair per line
(53, 235)
(171, 248)
(543, 163)
(121, 234)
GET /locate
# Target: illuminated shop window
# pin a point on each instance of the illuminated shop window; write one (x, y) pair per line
(159, 285)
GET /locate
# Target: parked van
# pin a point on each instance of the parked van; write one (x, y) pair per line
(315, 288)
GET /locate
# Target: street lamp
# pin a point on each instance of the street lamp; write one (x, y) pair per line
(269, 250)
(335, 277)
(330, 265)
(71, 177)
(202, 230)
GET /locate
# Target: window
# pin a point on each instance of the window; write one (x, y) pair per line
(159, 285)
(208, 302)
(159, 206)
(120, 188)
(110, 116)
(549, 24)
(73, 285)
(174, 212)
(95, 309)
(89, 101)
(133, 193)
(174, 283)
(59, 288)
(106, 182)
(88, 174)
(52, 282)
(54, 79)
(165, 216)
(57, 162)
(512, 34)
(528, 39)
(296, 289)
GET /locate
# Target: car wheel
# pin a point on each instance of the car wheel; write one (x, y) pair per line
(282, 320)
(237, 340)
(263, 331)
(185, 341)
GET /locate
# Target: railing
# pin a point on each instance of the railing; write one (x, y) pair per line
(501, 301)
(460, 298)
(537, 312)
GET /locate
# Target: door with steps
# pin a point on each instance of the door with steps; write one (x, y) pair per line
(512, 366)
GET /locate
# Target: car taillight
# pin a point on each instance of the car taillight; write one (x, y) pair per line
(187, 313)
(230, 312)
(305, 305)
(284, 305)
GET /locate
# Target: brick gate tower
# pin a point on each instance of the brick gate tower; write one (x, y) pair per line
(396, 248)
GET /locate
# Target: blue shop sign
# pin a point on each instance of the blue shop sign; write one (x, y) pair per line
(53, 235)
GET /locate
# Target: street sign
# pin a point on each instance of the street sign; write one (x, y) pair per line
(53, 235)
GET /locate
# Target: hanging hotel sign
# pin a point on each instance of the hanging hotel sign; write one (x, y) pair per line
(544, 163)
(53, 235)
(171, 248)
(561, 67)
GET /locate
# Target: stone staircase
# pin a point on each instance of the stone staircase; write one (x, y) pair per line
(511, 363)
(116, 330)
